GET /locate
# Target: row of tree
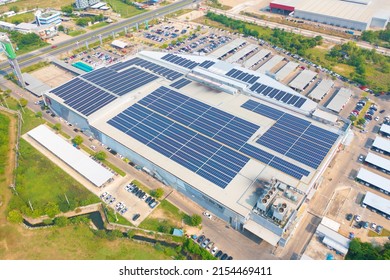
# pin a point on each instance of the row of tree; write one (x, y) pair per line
(375, 37)
(287, 40)
(359, 250)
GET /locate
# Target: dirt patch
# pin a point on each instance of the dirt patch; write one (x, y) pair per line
(338, 202)
(52, 75)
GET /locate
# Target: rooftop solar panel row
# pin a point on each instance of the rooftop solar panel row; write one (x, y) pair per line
(207, 64)
(242, 76)
(178, 60)
(180, 83)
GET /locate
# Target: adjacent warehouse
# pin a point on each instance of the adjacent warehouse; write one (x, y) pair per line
(327, 231)
(373, 180)
(224, 50)
(183, 117)
(381, 145)
(286, 70)
(339, 100)
(242, 53)
(383, 164)
(321, 89)
(256, 58)
(270, 64)
(355, 15)
(303, 80)
(385, 130)
(377, 203)
(79, 161)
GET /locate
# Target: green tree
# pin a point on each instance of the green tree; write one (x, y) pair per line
(78, 140)
(14, 216)
(23, 102)
(61, 221)
(196, 220)
(68, 10)
(100, 155)
(14, 9)
(61, 28)
(352, 118)
(51, 209)
(38, 114)
(361, 121)
(158, 193)
(57, 126)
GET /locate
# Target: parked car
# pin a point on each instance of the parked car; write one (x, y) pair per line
(200, 239)
(205, 242)
(136, 216)
(358, 218)
(224, 256)
(349, 217)
(214, 250)
(218, 254)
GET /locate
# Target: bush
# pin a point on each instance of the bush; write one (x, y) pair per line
(78, 140)
(158, 193)
(57, 126)
(14, 216)
(61, 221)
(196, 220)
(100, 155)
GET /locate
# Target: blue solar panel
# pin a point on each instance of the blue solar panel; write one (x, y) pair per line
(180, 83)
(184, 62)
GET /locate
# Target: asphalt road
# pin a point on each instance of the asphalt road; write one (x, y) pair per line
(93, 36)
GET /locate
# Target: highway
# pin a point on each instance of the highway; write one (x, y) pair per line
(93, 36)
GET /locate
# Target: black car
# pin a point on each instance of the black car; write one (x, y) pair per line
(230, 258)
(349, 217)
(148, 199)
(135, 190)
(382, 111)
(224, 256)
(153, 200)
(138, 192)
(141, 194)
(136, 216)
(201, 238)
(218, 254)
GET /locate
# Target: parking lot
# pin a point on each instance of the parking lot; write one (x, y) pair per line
(96, 57)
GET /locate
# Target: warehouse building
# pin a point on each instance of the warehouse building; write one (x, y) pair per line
(385, 130)
(350, 14)
(340, 98)
(381, 145)
(210, 129)
(303, 80)
(377, 203)
(321, 89)
(380, 163)
(373, 180)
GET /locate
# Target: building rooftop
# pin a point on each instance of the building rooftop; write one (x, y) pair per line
(381, 162)
(256, 58)
(334, 239)
(79, 161)
(377, 202)
(303, 79)
(286, 70)
(385, 128)
(270, 64)
(382, 144)
(321, 89)
(223, 50)
(374, 179)
(339, 100)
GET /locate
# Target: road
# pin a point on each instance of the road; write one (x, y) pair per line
(308, 33)
(93, 36)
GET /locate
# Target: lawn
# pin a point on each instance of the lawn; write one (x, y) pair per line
(75, 33)
(123, 9)
(30, 4)
(384, 233)
(4, 149)
(27, 17)
(40, 181)
(97, 25)
(113, 219)
(70, 242)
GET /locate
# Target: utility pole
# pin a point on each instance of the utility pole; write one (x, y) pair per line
(67, 200)
(29, 202)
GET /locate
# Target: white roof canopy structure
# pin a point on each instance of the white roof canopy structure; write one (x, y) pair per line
(119, 44)
(378, 161)
(286, 70)
(321, 89)
(270, 64)
(242, 53)
(256, 58)
(374, 179)
(339, 100)
(303, 79)
(87, 167)
(382, 144)
(334, 239)
(385, 129)
(377, 202)
(227, 48)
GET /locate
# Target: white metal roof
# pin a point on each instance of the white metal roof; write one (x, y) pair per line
(331, 117)
(262, 232)
(374, 179)
(382, 144)
(335, 245)
(241, 53)
(227, 48)
(381, 162)
(339, 100)
(303, 79)
(91, 170)
(256, 58)
(321, 89)
(385, 128)
(334, 236)
(270, 64)
(330, 224)
(286, 70)
(119, 44)
(377, 202)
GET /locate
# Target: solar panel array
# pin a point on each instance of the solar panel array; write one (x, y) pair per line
(209, 159)
(294, 137)
(242, 76)
(83, 96)
(207, 64)
(279, 95)
(120, 83)
(160, 70)
(178, 60)
(180, 83)
(208, 121)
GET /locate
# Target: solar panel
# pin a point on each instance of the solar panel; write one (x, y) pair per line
(180, 83)
(207, 64)
(184, 62)
(242, 76)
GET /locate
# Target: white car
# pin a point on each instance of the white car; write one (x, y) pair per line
(358, 218)
(373, 226)
(208, 215)
(214, 250)
(376, 118)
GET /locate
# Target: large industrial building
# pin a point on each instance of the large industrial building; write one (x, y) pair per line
(235, 141)
(351, 14)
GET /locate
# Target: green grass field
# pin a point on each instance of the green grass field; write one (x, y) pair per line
(40, 181)
(4, 132)
(27, 17)
(75, 33)
(113, 219)
(30, 4)
(97, 25)
(123, 9)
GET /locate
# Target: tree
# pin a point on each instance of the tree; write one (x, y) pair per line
(52, 209)
(61, 221)
(78, 140)
(23, 102)
(57, 126)
(352, 118)
(38, 114)
(100, 155)
(157, 193)
(361, 121)
(14, 216)
(61, 28)
(196, 220)
(14, 9)
(67, 10)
